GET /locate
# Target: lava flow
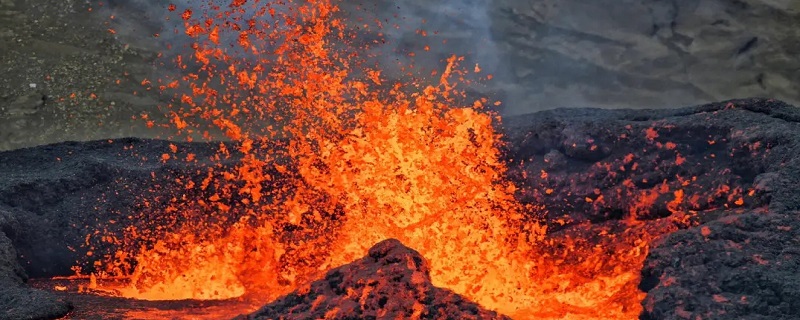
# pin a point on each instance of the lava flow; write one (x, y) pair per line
(328, 156)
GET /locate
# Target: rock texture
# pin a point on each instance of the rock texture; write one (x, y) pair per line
(16, 300)
(55, 195)
(23, 303)
(740, 262)
(391, 282)
(715, 154)
(66, 76)
(738, 267)
(11, 272)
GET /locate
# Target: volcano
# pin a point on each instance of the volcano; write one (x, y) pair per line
(700, 203)
(340, 177)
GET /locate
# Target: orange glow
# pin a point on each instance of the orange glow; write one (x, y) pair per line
(334, 157)
(651, 134)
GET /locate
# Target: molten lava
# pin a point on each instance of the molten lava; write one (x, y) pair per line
(328, 156)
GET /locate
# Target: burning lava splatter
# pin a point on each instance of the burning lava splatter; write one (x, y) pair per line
(328, 156)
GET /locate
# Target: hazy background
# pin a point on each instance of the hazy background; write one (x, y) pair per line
(67, 77)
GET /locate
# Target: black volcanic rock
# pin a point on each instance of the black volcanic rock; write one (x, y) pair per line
(747, 266)
(391, 282)
(717, 154)
(16, 300)
(738, 267)
(11, 272)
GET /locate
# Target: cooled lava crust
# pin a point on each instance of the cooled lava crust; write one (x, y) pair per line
(391, 282)
(736, 163)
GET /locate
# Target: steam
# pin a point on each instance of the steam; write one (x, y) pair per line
(453, 27)
(424, 34)
(542, 54)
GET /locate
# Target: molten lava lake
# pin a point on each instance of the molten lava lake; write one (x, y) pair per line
(90, 304)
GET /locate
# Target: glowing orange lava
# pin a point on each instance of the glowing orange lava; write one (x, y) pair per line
(334, 157)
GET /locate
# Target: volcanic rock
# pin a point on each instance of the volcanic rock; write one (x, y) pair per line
(598, 163)
(11, 272)
(67, 76)
(738, 267)
(16, 300)
(391, 282)
(54, 195)
(738, 262)
(44, 211)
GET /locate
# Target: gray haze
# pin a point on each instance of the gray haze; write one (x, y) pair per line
(66, 77)
(573, 53)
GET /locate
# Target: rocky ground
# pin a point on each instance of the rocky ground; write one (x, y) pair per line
(66, 76)
(16, 300)
(742, 266)
(736, 167)
(734, 163)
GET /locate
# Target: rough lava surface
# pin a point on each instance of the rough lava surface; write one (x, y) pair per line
(741, 260)
(16, 300)
(737, 267)
(391, 282)
(736, 162)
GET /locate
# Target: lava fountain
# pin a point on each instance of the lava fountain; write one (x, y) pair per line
(326, 156)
